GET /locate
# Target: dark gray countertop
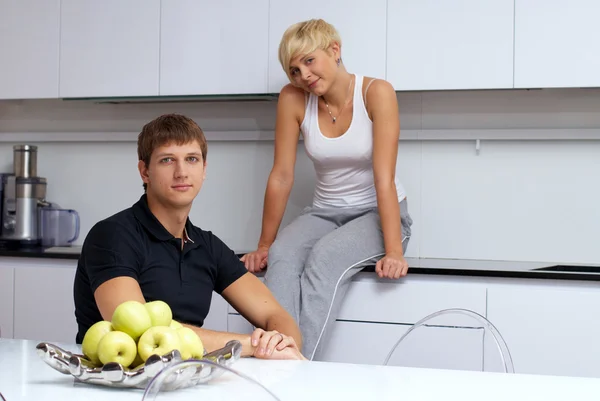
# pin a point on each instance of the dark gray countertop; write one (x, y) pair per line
(48, 253)
(452, 267)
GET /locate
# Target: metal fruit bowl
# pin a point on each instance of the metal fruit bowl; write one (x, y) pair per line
(115, 375)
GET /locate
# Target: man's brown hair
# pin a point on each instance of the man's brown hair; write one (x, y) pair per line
(167, 129)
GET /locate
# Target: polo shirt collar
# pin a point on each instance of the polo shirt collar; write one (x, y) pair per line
(145, 216)
(185, 232)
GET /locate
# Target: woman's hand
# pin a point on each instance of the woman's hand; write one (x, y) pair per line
(392, 266)
(274, 345)
(257, 260)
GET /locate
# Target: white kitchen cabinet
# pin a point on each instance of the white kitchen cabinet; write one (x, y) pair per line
(406, 301)
(376, 313)
(6, 301)
(437, 346)
(44, 309)
(409, 300)
(360, 24)
(425, 347)
(556, 43)
(209, 47)
(29, 48)
(237, 324)
(461, 44)
(217, 316)
(109, 48)
(551, 331)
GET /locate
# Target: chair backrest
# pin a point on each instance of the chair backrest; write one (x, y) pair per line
(162, 384)
(481, 330)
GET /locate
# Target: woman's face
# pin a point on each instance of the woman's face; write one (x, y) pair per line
(316, 71)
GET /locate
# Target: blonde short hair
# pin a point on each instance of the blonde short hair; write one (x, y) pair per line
(306, 37)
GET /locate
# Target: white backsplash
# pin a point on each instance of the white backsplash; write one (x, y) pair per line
(515, 200)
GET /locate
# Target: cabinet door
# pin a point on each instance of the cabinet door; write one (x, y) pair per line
(556, 43)
(44, 305)
(549, 331)
(461, 44)
(6, 301)
(209, 47)
(360, 24)
(29, 36)
(217, 316)
(425, 347)
(410, 300)
(237, 324)
(109, 48)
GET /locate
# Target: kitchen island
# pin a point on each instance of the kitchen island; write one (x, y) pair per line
(25, 377)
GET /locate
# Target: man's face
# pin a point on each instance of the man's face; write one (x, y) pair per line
(175, 173)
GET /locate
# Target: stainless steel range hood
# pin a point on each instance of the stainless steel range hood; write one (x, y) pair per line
(258, 97)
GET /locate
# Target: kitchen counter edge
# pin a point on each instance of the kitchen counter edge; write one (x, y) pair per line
(445, 267)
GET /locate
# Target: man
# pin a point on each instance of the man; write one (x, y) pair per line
(152, 251)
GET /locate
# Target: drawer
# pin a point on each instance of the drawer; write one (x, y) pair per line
(425, 347)
(408, 301)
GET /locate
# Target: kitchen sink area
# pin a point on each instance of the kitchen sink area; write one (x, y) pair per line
(571, 268)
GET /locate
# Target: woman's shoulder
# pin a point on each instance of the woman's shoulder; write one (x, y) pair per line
(376, 91)
(293, 99)
(291, 93)
(378, 85)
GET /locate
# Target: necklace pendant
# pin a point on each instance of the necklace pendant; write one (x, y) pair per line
(334, 120)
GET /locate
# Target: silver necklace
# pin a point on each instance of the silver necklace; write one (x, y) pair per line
(345, 103)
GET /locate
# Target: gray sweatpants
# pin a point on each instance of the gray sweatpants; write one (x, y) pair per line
(313, 259)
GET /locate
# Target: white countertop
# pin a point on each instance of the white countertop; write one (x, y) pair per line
(25, 377)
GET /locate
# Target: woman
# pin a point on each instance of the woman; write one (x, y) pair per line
(350, 126)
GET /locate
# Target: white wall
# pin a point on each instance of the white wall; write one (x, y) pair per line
(527, 198)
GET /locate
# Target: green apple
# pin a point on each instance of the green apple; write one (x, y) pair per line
(158, 340)
(117, 346)
(137, 361)
(191, 345)
(175, 325)
(93, 335)
(131, 317)
(160, 313)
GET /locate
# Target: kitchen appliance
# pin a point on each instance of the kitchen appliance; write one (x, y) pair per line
(23, 200)
(58, 227)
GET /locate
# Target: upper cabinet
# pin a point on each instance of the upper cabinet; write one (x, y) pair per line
(460, 44)
(109, 48)
(209, 47)
(29, 35)
(360, 24)
(556, 43)
(136, 48)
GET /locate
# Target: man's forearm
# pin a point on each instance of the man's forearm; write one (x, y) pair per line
(214, 340)
(285, 324)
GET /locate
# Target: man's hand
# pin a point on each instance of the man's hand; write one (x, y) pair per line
(257, 260)
(392, 266)
(274, 345)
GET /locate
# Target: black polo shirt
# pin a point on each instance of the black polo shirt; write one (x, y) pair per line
(135, 244)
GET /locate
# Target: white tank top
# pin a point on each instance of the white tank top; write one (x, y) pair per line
(343, 165)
